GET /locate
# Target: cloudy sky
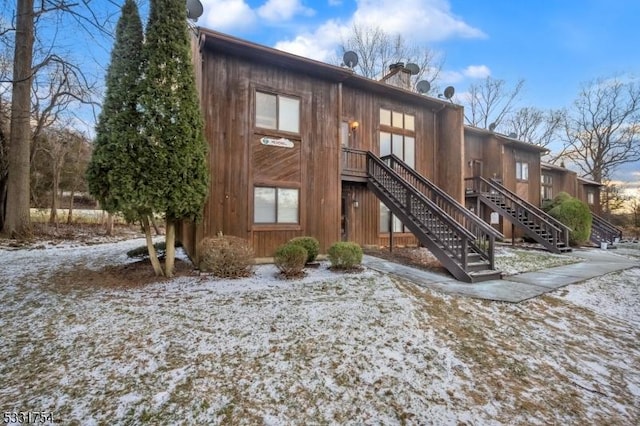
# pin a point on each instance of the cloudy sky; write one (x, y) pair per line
(554, 45)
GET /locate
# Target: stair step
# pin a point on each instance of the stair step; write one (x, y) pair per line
(477, 266)
(485, 275)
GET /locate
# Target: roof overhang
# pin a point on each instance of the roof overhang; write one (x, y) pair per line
(225, 43)
(506, 140)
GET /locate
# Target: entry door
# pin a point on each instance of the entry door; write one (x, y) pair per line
(477, 168)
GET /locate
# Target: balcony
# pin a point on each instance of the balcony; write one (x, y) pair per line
(354, 165)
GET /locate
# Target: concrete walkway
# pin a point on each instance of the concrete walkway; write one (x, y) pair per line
(514, 288)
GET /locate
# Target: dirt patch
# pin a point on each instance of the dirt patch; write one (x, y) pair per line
(125, 276)
(419, 257)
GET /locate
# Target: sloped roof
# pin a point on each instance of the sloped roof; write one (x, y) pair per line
(506, 140)
(260, 53)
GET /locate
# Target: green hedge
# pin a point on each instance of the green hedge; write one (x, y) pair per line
(575, 214)
(290, 259)
(345, 255)
(310, 244)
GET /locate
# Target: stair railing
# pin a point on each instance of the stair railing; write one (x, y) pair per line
(485, 235)
(430, 218)
(522, 209)
(604, 230)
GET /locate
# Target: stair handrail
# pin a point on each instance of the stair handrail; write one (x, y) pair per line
(603, 223)
(476, 221)
(555, 231)
(454, 226)
(537, 210)
(606, 226)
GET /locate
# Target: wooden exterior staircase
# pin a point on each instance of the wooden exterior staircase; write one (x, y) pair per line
(603, 231)
(536, 224)
(461, 241)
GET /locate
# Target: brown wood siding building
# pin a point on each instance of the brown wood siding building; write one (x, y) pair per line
(495, 156)
(558, 179)
(302, 158)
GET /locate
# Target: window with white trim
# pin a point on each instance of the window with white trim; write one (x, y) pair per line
(591, 196)
(522, 170)
(277, 112)
(275, 205)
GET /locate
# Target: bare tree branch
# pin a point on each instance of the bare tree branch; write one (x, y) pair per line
(602, 130)
(490, 102)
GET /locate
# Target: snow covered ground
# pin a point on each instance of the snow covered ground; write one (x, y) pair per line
(328, 349)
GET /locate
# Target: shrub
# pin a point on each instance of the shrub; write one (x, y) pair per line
(226, 256)
(310, 244)
(577, 216)
(548, 205)
(345, 255)
(143, 251)
(290, 259)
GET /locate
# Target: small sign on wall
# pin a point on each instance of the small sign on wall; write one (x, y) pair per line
(495, 218)
(282, 142)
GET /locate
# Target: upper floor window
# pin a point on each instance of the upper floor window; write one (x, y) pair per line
(398, 136)
(591, 196)
(403, 147)
(397, 120)
(277, 112)
(522, 170)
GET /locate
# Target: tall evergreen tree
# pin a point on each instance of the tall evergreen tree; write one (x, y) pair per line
(173, 129)
(116, 174)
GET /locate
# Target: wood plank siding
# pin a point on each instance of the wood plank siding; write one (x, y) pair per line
(495, 156)
(229, 74)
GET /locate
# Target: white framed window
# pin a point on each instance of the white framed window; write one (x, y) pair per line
(591, 197)
(277, 112)
(522, 170)
(276, 205)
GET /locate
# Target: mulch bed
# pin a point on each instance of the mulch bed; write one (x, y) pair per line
(418, 257)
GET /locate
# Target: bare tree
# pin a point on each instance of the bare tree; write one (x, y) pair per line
(377, 50)
(490, 102)
(17, 222)
(24, 41)
(534, 125)
(75, 169)
(59, 86)
(602, 130)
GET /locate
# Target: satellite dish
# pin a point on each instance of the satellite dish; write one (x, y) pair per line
(512, 135)
(423, 86)
(449, 91)
(194, 9)
(350, 59)
(413, 68)
(492, 126)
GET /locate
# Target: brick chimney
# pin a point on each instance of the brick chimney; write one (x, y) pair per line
(398, 76)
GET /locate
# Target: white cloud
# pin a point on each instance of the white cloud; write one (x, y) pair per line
(417, 20)
(283, 10)
(319, 45)
(335, 2)
(477, 71)
(227, 15)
